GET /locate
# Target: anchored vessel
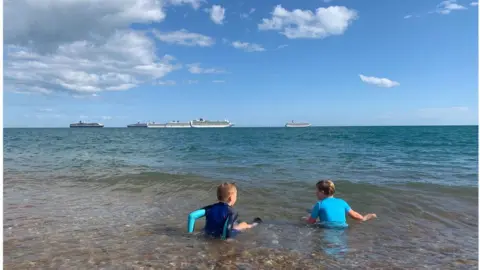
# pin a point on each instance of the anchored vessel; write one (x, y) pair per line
(202, 123)
(296, 125)
(138, 125)
(81, 124)
(177, 124)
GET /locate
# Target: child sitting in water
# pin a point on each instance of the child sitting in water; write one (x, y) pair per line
(332, 211)
(221, 218)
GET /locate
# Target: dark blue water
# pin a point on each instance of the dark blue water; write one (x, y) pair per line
(421, 182)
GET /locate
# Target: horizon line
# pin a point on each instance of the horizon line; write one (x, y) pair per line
(283, 126)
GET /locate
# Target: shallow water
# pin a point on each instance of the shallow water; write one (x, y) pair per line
(118, 198)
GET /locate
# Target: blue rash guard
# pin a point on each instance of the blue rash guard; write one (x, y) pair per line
(220, 218)
(331, 212)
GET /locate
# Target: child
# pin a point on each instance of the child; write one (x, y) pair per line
(221, 218)
(332, 211)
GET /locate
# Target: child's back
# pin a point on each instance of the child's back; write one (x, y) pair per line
(220, 218)
(332, 211)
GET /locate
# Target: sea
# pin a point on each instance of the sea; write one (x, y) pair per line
(118, 198)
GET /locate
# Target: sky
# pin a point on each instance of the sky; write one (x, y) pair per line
(255, 63)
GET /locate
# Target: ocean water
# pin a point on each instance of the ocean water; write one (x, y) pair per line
(119, 198)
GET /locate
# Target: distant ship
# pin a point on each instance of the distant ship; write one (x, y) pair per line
(177, 124)
(155, 125)
(201, 123)
(81, 124)
(297, 125)
(138, 125)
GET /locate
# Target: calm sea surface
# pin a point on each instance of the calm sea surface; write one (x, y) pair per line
(119, 198)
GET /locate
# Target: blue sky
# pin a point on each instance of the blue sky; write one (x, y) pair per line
(263, 63)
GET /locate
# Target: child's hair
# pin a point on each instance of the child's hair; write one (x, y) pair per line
(326, 187)
(225, 190)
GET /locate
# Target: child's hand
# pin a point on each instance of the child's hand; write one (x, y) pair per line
(369, 216)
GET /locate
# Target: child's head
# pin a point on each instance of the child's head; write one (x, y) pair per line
(227, 193)
(325, 188)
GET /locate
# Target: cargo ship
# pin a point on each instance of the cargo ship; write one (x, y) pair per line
(202, 123)
(81, 124)
(297, 125)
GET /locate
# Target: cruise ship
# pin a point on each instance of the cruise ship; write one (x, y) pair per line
(155, 125)
(202, 123)
(297, 125)
(177, 124)
(81, 124)
(138, 125)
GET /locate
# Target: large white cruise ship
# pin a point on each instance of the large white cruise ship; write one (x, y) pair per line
(177, 124)
(202, 123)
(297, 125)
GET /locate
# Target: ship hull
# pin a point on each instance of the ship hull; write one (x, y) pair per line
(297, 126)
(86, 126)
(156, 126)
(211, 126)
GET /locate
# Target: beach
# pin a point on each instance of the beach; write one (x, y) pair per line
(118, 198)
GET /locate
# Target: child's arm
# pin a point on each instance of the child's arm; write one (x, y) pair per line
(242, 226)
(313, 214)
(355, 215)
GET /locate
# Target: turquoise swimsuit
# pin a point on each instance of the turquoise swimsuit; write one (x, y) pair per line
(331, 212)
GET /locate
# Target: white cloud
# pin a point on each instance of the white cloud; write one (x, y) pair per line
(248, 47)
(121, 62)
(183, 37)
(105, 117)
(168, 82)
(218, 81)
(282, 46)
(474, 4)
(408, 17)
(45, 25)
(191, 82)
(380, 82)
(194, 3)
(217, 14)
(83, 47)
(247, 15)
(446, 7)
(196, 69)
(299, 23)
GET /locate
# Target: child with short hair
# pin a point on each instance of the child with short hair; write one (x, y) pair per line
(221, 218)
(332, 211)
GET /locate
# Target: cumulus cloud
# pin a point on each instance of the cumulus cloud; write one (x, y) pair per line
(183, 37)
(123, 61)
(474, 4)
(407, 17)
(299, 23)
(380, 82)
(83, 47)
(217, 14)
(196, 69)
(446, 7)
(248, 47)
(46, 24)
(218, 81)
(282, 46)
